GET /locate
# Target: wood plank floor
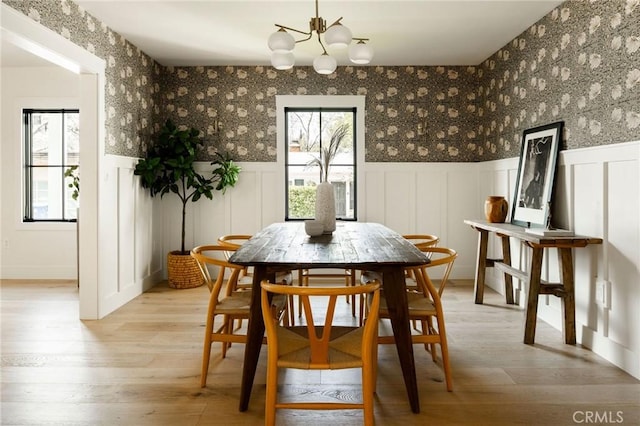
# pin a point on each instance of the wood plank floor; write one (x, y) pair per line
(141, 366)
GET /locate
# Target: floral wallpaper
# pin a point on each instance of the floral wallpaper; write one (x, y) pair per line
(442, 99)
(579, 64)
(132, 77)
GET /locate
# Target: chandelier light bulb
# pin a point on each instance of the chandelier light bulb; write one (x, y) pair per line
(324, 64)
(337, 35)
(282, 60)
(281, 41)
(360, 53)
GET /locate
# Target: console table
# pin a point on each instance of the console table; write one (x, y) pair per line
(563, 290)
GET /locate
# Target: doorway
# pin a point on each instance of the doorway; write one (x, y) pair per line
(30, 37)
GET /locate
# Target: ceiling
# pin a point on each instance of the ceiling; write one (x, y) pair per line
(235, 32)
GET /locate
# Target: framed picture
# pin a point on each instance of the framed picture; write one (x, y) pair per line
(531, 205)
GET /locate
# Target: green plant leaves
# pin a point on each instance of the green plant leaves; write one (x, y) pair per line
(169, 166)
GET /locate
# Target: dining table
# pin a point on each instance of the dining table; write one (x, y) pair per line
(353, 245)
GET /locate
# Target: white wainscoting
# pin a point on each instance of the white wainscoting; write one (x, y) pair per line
(431, 198)
(597, 193)
(130, 223)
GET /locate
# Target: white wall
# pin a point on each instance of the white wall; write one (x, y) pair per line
(34, 250)
(597, 194)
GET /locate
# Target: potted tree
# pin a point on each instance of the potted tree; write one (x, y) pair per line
(168, 167)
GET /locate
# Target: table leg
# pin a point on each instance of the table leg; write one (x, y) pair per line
(255, 333)
(508, 279)
(535, 269)
(565, 259)
(395, 294)
(481, 265)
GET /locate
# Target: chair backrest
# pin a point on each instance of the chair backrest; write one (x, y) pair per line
(440, 257)
(318, 335)
(233, 241)
(423, 240)
(215, 255)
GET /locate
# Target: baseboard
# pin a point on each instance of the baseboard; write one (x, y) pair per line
(613, 352)
(39, 272)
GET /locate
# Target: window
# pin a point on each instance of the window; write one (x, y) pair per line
(310, 132)
(51, 147)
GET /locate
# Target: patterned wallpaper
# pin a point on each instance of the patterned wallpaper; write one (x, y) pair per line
(580, 64)
(132, 78)
(397, 99)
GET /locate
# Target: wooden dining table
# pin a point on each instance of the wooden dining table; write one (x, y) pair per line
(353, 245)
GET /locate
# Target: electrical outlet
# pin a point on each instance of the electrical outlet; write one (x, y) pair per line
(5, 243)
(603, 293)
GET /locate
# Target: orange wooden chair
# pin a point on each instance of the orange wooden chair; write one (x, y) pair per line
(317, 346)
(225, 302)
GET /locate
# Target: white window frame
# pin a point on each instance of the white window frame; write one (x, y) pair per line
(337, 101)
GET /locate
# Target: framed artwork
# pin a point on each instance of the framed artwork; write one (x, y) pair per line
(531, 205)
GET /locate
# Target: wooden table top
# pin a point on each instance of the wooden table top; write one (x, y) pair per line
(357, 245)
(516, 231)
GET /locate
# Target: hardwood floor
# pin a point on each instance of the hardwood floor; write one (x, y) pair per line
(141, 366)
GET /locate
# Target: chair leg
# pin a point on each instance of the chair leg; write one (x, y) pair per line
(227, 328)
(374, 363)
(303, 281)
(349, 281)
(446, 365)
(368, 388)
(427, 328)
(271, 394)
(206, 353)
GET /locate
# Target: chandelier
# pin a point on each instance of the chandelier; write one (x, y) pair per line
(336, 35)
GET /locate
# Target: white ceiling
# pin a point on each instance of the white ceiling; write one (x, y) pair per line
(235, 32)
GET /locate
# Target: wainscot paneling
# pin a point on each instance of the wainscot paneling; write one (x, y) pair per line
(597, 193)
(430, 198)
(127, 252)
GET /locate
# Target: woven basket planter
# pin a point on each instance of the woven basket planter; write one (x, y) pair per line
(183, 271)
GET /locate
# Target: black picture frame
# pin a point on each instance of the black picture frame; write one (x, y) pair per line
(531, 206)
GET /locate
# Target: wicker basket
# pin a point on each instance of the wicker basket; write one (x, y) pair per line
(183, 271)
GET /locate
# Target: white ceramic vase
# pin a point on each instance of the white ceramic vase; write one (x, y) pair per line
(326, 207)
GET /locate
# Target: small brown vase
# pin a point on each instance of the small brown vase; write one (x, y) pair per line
(496, 208)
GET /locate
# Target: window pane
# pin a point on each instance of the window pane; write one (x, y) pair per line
(46, 132)
(70, 205)
(72, 138)
(342, 178)
(302, 198)
(47, 200)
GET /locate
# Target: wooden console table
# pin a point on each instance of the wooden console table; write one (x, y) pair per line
(563, 290)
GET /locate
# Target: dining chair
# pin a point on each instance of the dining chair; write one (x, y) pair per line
(233, 242)
(225, 301)
(321, 346)
(349, 276)
(420, 241)
(425, 304)
(245, 278)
